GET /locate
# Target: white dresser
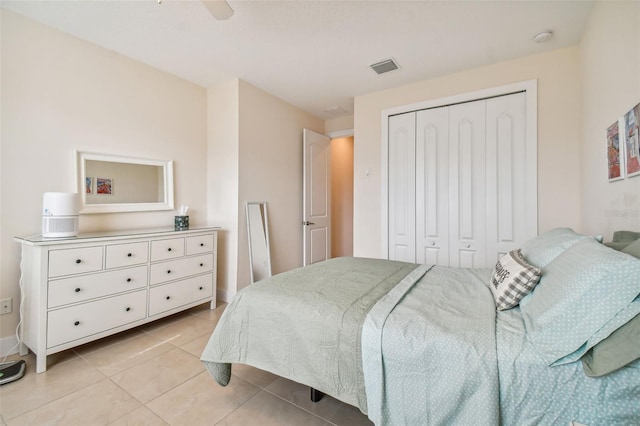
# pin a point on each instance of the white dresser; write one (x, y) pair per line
(91, 286)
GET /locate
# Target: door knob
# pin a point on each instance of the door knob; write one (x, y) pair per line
(308, 223)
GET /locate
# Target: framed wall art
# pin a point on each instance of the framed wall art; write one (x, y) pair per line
(631, 139)
(104, 186)
(615, 152)
(88, 185)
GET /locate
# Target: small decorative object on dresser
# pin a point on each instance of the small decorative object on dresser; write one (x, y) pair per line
(82, 289)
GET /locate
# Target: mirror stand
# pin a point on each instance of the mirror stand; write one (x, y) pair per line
(258, 233)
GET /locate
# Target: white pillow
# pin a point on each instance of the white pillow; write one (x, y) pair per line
(512, 279)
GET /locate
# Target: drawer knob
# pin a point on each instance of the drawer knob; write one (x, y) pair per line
(201, 288)
(128, 280)
(168, 271)
(76, 323)
(168, 297)
(78, 260)
(169, 249)
(468, 246)
(129, 254)
(77, 290)
(201, 244)
(127, 309)
(202, 264)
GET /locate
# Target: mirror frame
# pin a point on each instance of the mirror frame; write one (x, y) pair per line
(167, 167)
(263, 232)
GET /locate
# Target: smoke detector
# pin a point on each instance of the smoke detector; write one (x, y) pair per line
(543, 36)
(384, 66)
(336, 110)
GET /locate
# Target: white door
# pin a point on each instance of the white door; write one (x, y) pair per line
(467, 199)
(461, 182)
(432, 186)
(508, 169)
(316, 197)
(402, 187)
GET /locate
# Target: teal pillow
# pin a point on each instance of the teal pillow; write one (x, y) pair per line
(541, 250)
(633, 249)
(586, 293)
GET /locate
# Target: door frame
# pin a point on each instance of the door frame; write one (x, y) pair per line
(529, 87)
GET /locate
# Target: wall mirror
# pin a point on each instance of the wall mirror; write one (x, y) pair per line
(258, 232)
(111, 183)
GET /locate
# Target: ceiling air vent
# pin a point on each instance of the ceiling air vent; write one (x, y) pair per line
(384, 66)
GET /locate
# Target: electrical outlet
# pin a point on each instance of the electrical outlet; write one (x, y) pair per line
(6, 306)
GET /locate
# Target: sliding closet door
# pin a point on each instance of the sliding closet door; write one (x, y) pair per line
(432, 186)
(467, 190)
(402, 187)
(508, 169)
(462, 182)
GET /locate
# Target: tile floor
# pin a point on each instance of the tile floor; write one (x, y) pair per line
(152, 375)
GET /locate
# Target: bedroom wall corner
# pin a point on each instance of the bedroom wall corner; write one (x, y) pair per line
(610, 68)
(222, 180)
(270, 154)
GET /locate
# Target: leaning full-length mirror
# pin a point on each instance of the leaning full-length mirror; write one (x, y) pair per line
(111, 183)
(258, 232)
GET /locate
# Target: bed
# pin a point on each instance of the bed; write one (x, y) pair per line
(421, 344)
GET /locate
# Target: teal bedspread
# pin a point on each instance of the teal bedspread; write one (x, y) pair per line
(305, 325)
(425, 342)
(533, 394)
(429, 351)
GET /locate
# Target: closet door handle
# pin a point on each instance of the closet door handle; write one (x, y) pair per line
(308, 223)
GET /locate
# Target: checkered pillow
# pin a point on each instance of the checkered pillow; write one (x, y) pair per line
(512, 279)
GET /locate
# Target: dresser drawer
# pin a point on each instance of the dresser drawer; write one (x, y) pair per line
(181, 268)
(199, 244)
(77, 289)
(76, 322)
(75, 261)
(119, 255)
(167, 249)
(169, 296)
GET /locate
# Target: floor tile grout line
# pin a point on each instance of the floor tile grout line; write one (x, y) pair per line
(63, 395)
(302, 408)
(259, 389)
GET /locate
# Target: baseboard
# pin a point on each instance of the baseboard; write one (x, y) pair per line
(8, 344)
(224, 295)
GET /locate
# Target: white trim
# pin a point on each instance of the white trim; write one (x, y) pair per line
(340, 133)
(530, 87)
(167, 171)
(8, 344)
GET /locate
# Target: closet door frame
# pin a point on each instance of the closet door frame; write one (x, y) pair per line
(529, 87)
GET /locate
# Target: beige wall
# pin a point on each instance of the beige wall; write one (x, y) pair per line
(342, 197)
(339, 124)
(271, 170)
(610, 65)
(60, 94)
(222, 179)
(559, 112)
(255, 154)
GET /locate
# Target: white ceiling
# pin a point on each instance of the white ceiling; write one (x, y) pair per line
(315, 54)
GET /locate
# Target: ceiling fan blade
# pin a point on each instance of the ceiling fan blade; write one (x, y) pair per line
(220, 9)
